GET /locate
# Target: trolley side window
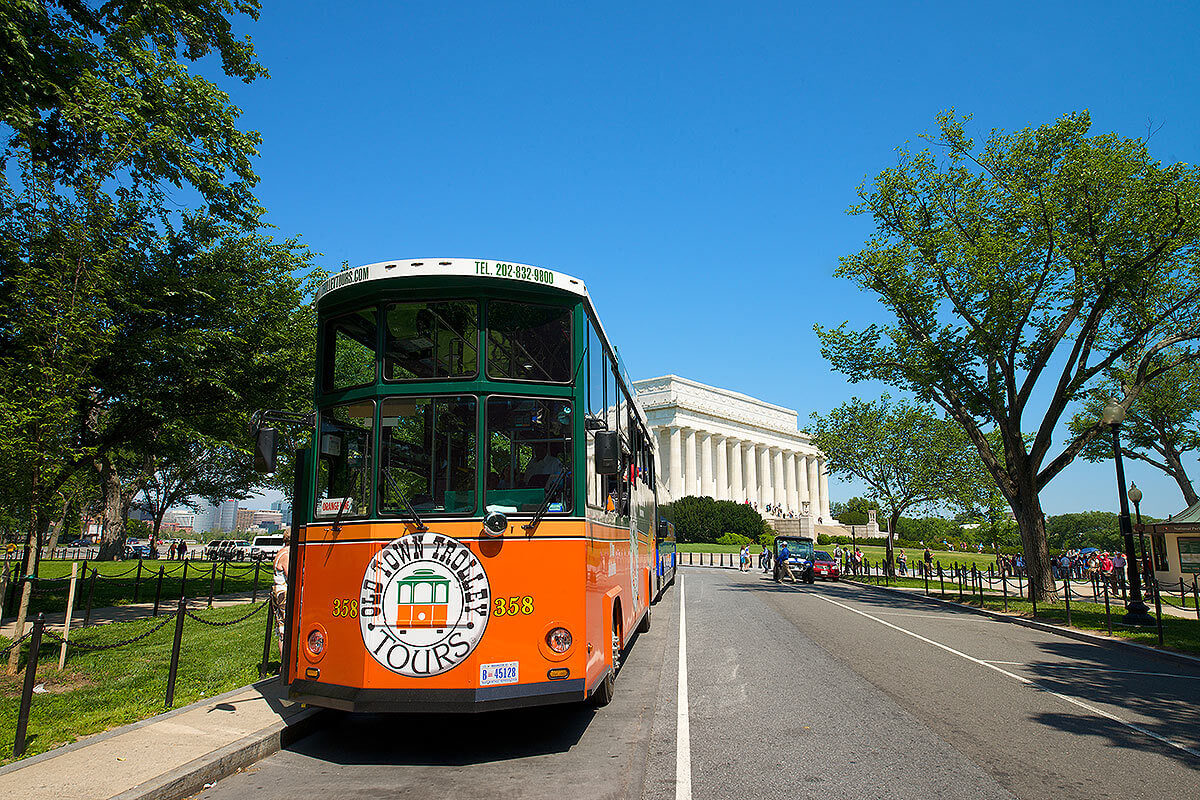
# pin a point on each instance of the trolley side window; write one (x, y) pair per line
(350, 351)
(427, 454)
(529, 454)
(431, 340)
(528, 342)
(344, 442)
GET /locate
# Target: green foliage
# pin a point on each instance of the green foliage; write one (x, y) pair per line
(1161, 427)
(735, 539)
(907, 456)
(138, 529)
(854, 511)
(703, 519)
(1019, 272)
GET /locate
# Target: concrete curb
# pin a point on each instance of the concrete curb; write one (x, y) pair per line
(194, 776)
(1069, 633)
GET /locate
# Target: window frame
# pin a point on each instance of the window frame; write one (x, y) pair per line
(480, 340)
(485, 328)
(373, 482)
(329, 352)
(473, 511)
(485, 442)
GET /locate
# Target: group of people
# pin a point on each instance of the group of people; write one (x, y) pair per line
(775, 510)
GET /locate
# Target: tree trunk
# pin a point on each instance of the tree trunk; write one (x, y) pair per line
(112, 541)
(32, 539)
(893, 523)
(57, 528)
(1180, 475)
(1027, 507)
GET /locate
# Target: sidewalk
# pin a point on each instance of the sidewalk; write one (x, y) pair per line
(167, 757)
(103, 616)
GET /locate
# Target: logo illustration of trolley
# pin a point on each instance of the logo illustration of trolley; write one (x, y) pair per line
(423, 600)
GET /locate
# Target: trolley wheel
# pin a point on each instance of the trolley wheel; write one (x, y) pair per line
(644, 625)
(608, 687)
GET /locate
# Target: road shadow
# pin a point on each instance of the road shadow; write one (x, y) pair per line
(445, 739)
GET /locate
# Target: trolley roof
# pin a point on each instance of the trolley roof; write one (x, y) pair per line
(507, 271)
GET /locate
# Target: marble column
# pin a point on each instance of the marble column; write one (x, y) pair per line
(675, 470)
(752, 473)
(766, 494)
(689, 462)
(814, 488)
(824, 485)
(780, 493)
(789, 477)
(722, 467)
(801, 481)
(737, 486)
(707, 489)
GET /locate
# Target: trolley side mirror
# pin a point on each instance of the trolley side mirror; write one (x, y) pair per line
(265, 441)
(608, 453)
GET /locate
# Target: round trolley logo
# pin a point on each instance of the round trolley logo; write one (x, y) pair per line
(424, 605)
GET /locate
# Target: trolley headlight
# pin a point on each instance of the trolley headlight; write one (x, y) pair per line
(559, 640)
(495, 523)
(316, 641)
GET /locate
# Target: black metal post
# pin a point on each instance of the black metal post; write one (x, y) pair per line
(1196, 596)
(1004, 588)
(941, 580)
(925, 573)
(1032, 597)
(1136, 610)
(1158, 612)
(158, 591)
(262, 668)
(137, 581)
(224, 564)
(254, 594)
(179, 612)
(1107, 612)
(35, 644)
(87, 615)
(1067, 586)
(212, 579)
(183, 585)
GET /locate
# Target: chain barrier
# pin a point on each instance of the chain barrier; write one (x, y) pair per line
(129, 571)
(258, 607)
(4, 653)
(95, 647)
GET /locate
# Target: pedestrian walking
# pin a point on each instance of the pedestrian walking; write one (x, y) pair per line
(279, 586)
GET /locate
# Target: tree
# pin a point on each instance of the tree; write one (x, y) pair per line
(191, 466)
(909, 457)
(703, 519)
(1015, 274)
(1160, 428)
(99, 113)
(854, 511)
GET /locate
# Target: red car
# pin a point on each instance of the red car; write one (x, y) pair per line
(825, 567)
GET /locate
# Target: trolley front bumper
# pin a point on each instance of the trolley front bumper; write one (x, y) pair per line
(487, 698)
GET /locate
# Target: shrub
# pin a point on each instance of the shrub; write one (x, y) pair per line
(734, 539)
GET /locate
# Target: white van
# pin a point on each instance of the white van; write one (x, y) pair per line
(265, 547)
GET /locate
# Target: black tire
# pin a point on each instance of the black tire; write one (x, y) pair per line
(608, 687)
(604, 692)
(644, 625)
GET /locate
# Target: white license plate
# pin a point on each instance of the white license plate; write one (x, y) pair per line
(499, 674)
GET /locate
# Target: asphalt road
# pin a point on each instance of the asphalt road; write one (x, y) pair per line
(831, 691)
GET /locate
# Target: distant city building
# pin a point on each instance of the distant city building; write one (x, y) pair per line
(205, 518)
(284, 508)
(227, 516)
(248, 518)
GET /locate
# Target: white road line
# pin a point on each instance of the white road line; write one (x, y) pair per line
(1097, 669)
(963, 617)
(683, 733)
(1019, 678)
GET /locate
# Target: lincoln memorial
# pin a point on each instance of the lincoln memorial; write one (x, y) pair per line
(729, 446)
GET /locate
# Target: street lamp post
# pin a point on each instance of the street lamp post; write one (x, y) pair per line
(1135, 494)
(1136, 611)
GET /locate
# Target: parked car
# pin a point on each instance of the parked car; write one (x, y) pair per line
(137, 548)
(239, 550)
(265, 547)
(218, 549)
(825, 566)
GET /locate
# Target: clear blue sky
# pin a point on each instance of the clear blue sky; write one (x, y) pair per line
(692, 162)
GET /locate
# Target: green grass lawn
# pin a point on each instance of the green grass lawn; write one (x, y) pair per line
(115, 584)
(1179, 634)
(101, 690)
